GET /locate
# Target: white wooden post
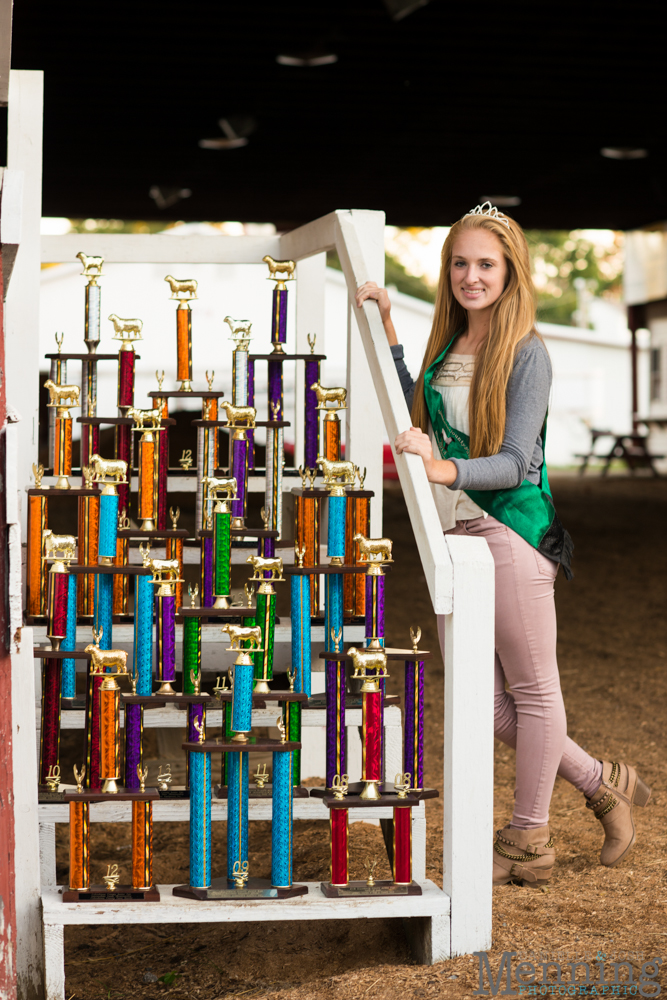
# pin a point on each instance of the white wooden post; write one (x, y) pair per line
(416, 490)
(24, 152)
(364, 427)
(310, 282)
(468, 655)
(26, 824)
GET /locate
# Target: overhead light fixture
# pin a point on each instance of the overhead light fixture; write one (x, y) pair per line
(166, 197)
(398, 9)
(306, 59)
(623, 153)
(236, 130)
(501, 200)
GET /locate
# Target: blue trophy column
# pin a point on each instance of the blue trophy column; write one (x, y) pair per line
(237, 812)
(200, 820)
(143, 634)
(300, 616)
(69, 665)
(281, 820)
(242, 694)
(103, 610)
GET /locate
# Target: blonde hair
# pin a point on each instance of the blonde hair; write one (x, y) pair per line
(512, 318)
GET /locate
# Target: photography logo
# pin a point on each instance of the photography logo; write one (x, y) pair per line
(594, 976)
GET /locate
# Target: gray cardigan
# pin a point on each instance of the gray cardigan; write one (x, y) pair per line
(521, 454)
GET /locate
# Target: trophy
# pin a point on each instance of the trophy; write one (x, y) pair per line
(370, 666)
(286, 268)
(90, 433)
(222, 493)
(148, 464)
(60, 549)
(275, 460)
(267, 572)
(307, 514)
(357, 522)
(191, 644)
(69, 642)
(413, 737)
(165, 574)
(330, 401)
(102, 738)
(311, 446)
(240, 420)
(300, 621)
(142, 666)
(57, 375)
(335, 682)
(174, 547)
(89, 534)
(62, 398)
(127, 331)
(183, 290)
(207, 457)
(38, 514)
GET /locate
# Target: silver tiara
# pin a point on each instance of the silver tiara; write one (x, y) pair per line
(490, 211)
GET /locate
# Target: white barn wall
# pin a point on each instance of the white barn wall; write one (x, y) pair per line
(592, 380)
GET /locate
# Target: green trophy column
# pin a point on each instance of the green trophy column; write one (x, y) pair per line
(191, 653)
(292, 720)
(222, 554)
(266, 619)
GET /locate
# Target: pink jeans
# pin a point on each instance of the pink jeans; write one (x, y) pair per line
(530, 717)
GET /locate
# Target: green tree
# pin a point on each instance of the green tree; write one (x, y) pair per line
(395, 274)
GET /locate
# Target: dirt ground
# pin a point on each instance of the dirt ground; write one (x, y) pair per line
(613, 661)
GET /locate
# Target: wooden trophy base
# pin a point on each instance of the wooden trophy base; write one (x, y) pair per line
(359, 889)
(121, 894)
(255, 888)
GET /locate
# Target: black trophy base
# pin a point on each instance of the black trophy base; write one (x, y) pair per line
(255, 888)
(177, 792)
(359, 889)
(72, 704)
(46, 795)
(121, 894)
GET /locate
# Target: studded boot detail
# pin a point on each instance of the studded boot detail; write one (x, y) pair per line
(621, 789)
(524, 856)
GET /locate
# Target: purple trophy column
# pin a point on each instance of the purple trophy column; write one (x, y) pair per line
(275, 390)
(375, 628)
(133, 731)
(165, 618)
(312, 416)
(251, 402)
(336, 756)
(413, 750)
(279, 317)
(240, 473)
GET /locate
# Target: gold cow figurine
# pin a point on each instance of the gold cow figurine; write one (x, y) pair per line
(240, 331)
(92, 266)
(365, 660)
(337, 396)
(374, 550)
(182, 288)
(114, 469)
(243, 633)
(276, 267)
(62, 395)
(341, 473)
(126, 329)
(102, 659)
(54, 544)
(154, 417)
(239, 416)
(266, 564)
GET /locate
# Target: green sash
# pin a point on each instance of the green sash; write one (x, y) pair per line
(527, 509)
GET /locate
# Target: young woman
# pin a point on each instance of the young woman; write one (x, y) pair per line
(479, 412)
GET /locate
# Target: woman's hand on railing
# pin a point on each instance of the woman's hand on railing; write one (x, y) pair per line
(415, 442)
(371, 290)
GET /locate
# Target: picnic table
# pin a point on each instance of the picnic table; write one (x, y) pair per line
(629, 448)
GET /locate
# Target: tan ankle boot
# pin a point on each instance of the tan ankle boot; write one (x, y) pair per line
(612, 804)
(525, 856)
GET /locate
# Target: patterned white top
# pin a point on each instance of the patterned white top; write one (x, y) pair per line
(453, 380)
